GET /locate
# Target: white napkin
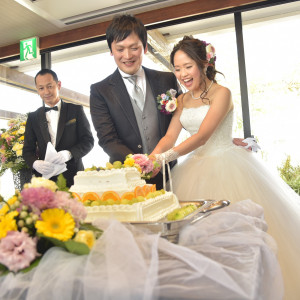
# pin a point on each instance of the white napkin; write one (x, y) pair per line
(251, 142)
(51, 154)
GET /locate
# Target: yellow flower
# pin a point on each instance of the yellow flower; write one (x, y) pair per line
(19, 152)
(85, 236)
(129, 162)
(8, 223)
(42, 182)
(4, 209)
(56, 223)
(21, 130)
(17, 146)
(21, 138)
(138, 167)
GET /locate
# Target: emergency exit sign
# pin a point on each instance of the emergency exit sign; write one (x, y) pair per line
(29, 49)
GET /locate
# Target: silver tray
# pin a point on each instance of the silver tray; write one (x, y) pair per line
(170, 229)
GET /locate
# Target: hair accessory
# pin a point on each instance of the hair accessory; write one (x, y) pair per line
(210, 55)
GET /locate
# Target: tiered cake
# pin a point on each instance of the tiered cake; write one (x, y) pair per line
(122, 181)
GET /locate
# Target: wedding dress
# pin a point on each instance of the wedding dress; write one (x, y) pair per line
(221, 170)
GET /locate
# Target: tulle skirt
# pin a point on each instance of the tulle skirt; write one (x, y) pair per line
(227, 255)
(236, 174)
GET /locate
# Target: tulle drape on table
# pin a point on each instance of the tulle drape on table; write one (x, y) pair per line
(227, 255)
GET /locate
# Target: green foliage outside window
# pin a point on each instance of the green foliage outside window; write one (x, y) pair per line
(290, 174)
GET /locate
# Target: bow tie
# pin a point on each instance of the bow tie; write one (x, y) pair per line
(51, 108)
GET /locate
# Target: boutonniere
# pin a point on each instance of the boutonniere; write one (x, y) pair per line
(71, 122)
(167, 103)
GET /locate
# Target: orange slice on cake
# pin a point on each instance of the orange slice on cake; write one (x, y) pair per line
(92, 196)
(147, 189)
(76, 196)
(128, 196)
(153, 188)
(138, 191)
(110, 195)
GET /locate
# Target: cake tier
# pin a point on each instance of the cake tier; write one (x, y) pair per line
(119, 180)
(152, 209)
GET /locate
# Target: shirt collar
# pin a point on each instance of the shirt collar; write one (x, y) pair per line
(139, 73)
(58, 104)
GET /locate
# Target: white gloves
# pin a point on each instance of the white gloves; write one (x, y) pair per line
(62, 157)
(166, 156)
(43, 167)
(251, 142)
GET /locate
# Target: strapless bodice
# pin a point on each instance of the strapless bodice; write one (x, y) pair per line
(192, 118)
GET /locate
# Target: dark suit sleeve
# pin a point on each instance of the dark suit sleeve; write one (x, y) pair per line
(85, 140)
(104, 125)
(30, 142)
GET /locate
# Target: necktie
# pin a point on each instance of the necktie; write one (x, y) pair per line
(137, 95)
(51, 108)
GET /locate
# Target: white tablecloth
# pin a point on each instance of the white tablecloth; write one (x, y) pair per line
(227, 255)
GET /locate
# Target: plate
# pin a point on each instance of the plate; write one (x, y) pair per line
(170, 229)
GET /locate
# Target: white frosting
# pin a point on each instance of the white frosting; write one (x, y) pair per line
(152, 209)
(118, 180)
(122, 181)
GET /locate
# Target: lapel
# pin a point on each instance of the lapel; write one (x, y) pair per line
(121, 96)
(43, 124)
(61, 121)
(156, 88)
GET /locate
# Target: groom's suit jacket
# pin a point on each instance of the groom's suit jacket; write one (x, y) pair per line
(113, 115)
(73, 134)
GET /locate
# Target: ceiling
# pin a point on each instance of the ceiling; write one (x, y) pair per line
(21, 19)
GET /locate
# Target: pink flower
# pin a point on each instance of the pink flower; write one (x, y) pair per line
(17, 250)
(38, 198)
(75, 208)
(144, 162)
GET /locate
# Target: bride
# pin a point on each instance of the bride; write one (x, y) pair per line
(216, 168)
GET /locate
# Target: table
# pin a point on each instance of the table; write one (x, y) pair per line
(227, 255)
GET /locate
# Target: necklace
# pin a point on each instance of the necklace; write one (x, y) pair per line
(204, 93)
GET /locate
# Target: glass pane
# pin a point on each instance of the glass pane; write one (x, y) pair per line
(273, 73)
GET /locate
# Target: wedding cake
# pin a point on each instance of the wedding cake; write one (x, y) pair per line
(119, 180)
(122, 181)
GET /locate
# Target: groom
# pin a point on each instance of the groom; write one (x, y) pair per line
(126, 117)
(124, 125)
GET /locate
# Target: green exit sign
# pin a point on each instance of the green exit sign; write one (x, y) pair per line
(29, 48)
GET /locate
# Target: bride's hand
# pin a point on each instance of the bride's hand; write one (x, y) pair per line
(157, 169)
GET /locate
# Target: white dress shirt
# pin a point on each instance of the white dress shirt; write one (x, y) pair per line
(141, 81)
(52, 117)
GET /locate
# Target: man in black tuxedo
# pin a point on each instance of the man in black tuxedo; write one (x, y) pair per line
(122, 126)
(63, 124)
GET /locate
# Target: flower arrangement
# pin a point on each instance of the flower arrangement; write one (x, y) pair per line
(167, 103)
(143, 163)
(11, 145)
(40, 217)
(210, 54)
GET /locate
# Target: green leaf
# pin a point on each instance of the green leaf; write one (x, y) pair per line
(70, 245)
(77, 247)
(61, 182)
(3, 270)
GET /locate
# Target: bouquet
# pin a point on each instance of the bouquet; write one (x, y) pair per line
(11, 145)
(143, 163)
(167, 103)
(38, 218)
